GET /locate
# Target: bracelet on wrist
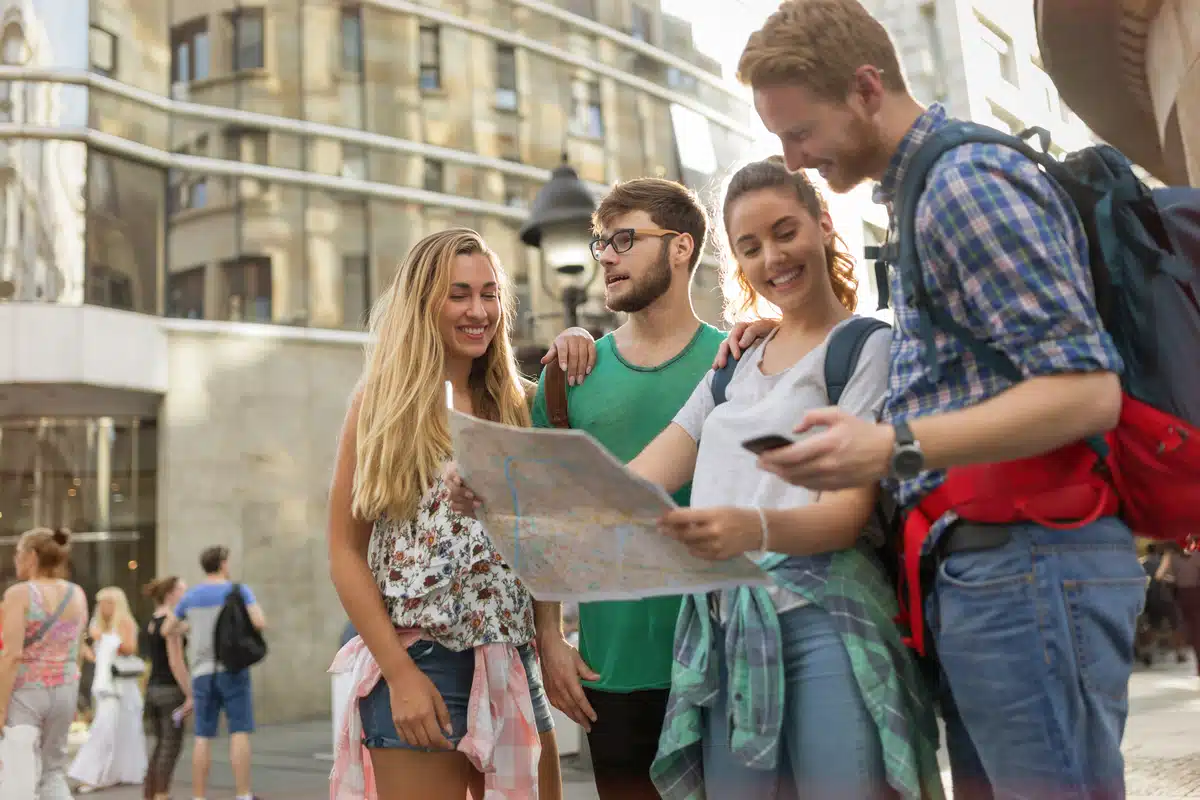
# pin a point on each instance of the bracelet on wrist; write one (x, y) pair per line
(764, 541)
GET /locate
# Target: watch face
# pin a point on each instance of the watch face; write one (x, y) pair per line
(907, 462)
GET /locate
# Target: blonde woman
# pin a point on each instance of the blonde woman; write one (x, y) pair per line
(115, 752)
(441, 618)
(43, 620)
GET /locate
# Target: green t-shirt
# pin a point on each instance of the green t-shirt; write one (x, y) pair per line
(624, 407)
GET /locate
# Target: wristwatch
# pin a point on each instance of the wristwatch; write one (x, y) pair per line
(908, 461)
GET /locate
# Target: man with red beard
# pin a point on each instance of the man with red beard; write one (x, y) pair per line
(1033, 625)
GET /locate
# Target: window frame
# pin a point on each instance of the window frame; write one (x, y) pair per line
(351, 63)
(113, 42)
(187, 33)
(431, 68)
(237, 18)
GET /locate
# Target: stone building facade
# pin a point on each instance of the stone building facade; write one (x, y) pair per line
(199, 201)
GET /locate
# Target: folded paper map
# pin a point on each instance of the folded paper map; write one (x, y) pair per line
(573, 522)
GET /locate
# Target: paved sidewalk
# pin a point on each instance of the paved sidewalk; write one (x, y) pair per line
(1162, 750)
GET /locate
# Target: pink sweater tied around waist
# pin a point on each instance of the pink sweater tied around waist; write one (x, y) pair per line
(501, 741)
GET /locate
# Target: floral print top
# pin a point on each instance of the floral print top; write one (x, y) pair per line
(439, 572)
(52, 660)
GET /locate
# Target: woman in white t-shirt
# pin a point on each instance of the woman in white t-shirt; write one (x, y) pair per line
(804, 687)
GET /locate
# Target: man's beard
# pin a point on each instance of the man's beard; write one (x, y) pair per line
(856, 164)
(651, 286)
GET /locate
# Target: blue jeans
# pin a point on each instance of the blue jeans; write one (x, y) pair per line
(452, 673)
(222, 690)
(830, 748)
(1035, 641)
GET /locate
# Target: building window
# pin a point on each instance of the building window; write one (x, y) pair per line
(587, 115)
(584, 8)
(250, 146)
(189, 51)
(431, 58)
(247, 39)
(506, 77)
(247, 289)
(507, 146)
(1000, 46)
(640, 23)
(435, 176)
(102, 50)
(185, 293)
(108, 287)
(354, 162)
(356, 291)
(352, 41)
(681, 81)
(515, 194)
(187, 190)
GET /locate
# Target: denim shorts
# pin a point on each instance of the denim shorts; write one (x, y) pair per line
(452, 673)
(222, 690)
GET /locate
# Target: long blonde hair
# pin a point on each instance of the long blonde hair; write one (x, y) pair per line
(120, 613)
(403, 432)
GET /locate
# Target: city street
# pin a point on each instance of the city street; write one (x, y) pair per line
(1162, 750)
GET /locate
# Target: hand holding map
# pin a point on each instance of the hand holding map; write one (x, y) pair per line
(573, 522)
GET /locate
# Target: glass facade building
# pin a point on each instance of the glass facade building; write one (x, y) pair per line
(201, 199)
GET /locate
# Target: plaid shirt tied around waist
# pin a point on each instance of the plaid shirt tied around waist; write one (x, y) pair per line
(850, 586)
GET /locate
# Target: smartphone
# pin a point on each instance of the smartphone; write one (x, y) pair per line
(762, 444)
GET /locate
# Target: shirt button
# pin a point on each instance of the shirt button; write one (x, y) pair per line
(738, 697)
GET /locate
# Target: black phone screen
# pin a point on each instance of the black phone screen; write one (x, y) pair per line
(762, 444)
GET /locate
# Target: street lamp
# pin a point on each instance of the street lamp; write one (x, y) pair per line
(560, 225)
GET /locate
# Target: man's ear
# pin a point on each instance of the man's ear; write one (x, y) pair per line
(682, 249)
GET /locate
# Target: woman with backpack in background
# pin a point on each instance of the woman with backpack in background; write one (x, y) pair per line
(115, 752)
(43, 620)
(168, 689)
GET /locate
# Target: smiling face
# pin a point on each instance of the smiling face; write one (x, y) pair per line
(839, 140)
(642, 274)
(471, 313)
(780, 246)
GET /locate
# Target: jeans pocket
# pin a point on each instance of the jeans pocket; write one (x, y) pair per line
(1103, 615)
(982, 570)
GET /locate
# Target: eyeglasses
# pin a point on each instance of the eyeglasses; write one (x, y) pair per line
(622, 239)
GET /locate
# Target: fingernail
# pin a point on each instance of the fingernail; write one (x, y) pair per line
(589, 370)
(562, 365)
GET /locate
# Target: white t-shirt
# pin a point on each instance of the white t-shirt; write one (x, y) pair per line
(757, 405)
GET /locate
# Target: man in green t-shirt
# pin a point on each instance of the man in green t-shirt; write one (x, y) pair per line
(649, 237)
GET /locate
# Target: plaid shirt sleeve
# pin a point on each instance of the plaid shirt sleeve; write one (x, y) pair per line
(1009, 259)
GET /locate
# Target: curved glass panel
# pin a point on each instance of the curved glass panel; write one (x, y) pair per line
(125, 230)
(42, 220)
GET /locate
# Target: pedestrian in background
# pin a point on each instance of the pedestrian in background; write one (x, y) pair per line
(168, 689)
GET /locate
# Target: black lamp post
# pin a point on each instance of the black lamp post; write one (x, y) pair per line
(560, 225)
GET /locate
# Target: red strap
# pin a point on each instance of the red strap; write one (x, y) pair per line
(976, 494)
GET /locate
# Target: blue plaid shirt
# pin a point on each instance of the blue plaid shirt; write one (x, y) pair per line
(1003, 250)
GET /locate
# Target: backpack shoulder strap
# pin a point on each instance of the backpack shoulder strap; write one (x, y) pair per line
(721, 378)
(841, 356)
(54, 617)
(916, 177)
(554, 387)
